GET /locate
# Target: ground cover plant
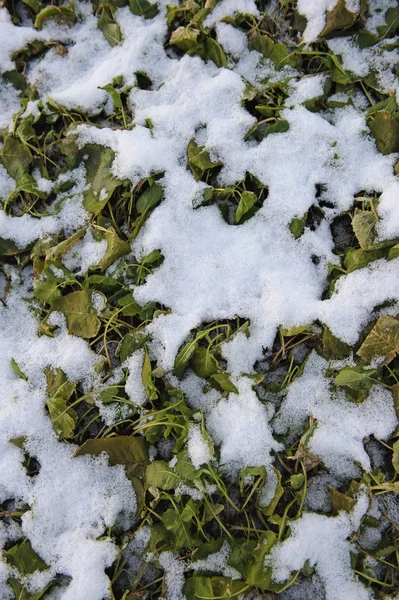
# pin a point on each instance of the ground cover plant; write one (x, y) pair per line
(199, 284)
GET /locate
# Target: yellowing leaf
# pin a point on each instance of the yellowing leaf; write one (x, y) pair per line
(80, 313)
(339, 18)
(385, 129)
(159, 475)
(127, 450)
(184, 38)
(382, 341)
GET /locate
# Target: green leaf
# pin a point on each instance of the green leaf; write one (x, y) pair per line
(356, 258)
(196, 588)
(159, 475)
(64, 14)
(395, 456)
(355, 378)
(213, 51)
(115, 249)
(339, 18)
(242, 555)
(224, 382)
(199, 160)
(143, 8)
(382, 341)
(271, 507)
(58, 384)
(149, 199)
(111, 30)
(17, 370)
(24, 558)
(204, 362)
(385, 129)
(184, 38)
(341, 501)
(115, 95)
(131, 342)
(174, 523)
(127, 450)
(279, 127)
(15, 157)
(47, 288)
(147, 377)
(391, 20)
(80, 313)
(262, 44)
(184, 356)
(259, 575)
(98, 174)
(333, 347)
(63, 418)
(297, 226)
(247, 201)
(131, 308)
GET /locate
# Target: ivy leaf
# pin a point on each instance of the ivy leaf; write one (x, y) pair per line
(143, 8)
(147, 377)
(204, 362)
(223, 380)
(385, 129)
(382, 341)
(15, 157)
(339, 18)
(98, 174)
(247, 201)
(80, 313)
(159, 475)
(127, 450)
(111, 30)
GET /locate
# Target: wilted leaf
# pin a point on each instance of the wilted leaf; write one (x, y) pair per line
(333, 347)
(385, 129)
(15, 157)
(80, 313)
(363, 225)
(116, 247)
(339, 18)
(382, 341)
(63, 418)
(341, 501)
(184, 38)
(63, 14)
(127, 450)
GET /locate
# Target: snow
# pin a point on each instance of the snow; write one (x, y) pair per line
(211, 271)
